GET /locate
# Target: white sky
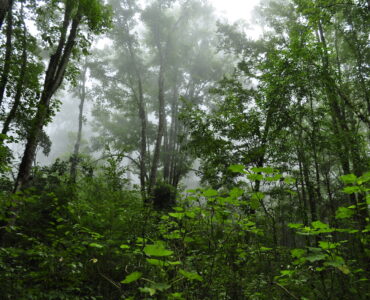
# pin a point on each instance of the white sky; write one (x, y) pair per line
(234, 10)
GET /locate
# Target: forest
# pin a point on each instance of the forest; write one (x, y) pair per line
(152, 150)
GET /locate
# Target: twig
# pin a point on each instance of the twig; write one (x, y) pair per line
(285, 290)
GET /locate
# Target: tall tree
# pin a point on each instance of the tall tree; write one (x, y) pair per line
(75, 13)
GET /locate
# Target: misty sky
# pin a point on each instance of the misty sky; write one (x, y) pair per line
(235, 9)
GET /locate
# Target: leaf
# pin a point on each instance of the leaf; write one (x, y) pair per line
(265, 249)
(236, 192)
(96, 245)
(327, 245)
(255, 177)
(148, 290)
(157, 262)
(316, 257)
(266, 170)
(364, 178)
(298, 253)
(319, 225)
(255, 200)
(258, 196)
(210, 193)
(124, 247)
(352, 189)
(160, 286)
(295, 225)
(344, 213)
(237, 168)
(349, 178)
(157, 249)
(276, 177)
(190, 214)
(177, 215)
(132, 277)
(191, 275)
(289, 180)
(176, 295)
(286, 272)
(344, 268)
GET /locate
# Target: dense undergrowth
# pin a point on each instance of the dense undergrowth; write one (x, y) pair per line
(97, 240)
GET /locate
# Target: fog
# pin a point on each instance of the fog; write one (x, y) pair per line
(97, 132)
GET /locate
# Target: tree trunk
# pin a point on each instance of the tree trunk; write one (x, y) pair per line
(4, 7)
(8, 52)
(161, 123)
(76, 152)
(53, 79)
(20, 83)
(142, 117)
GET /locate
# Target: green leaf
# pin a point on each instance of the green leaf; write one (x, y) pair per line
(258, 196)
(236, 192)
(176, 296)
(295, 225)
(148, 290)
(255, 200)
(276, 177)
(344, 213)
(210, 193)
(177, 215)
(327, 245)
(237, 168)
(316, 257)
(319, 225)
(157, 262)
(157, 249)
(266, 170)
(344, 268)
(160, 286)
(286, 272)
(265, 249)
(124, 247)
(190, 214)
(298, 253)
(352, 189)
(289, 180)
(96, 245)
(132, 277)
(364, 178)
(255, 177)
(349, 178)
(191, 275)
(161, 263)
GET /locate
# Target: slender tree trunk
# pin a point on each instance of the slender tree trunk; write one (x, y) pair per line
(53, 79)
(161, 123)
(171, 155)
(142, 117)
(8, 52)
(348, 135)
(20, 83)
(76, 151)
(4, 7)
(166, 152)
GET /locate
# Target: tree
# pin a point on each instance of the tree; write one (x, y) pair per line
(95, 15)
